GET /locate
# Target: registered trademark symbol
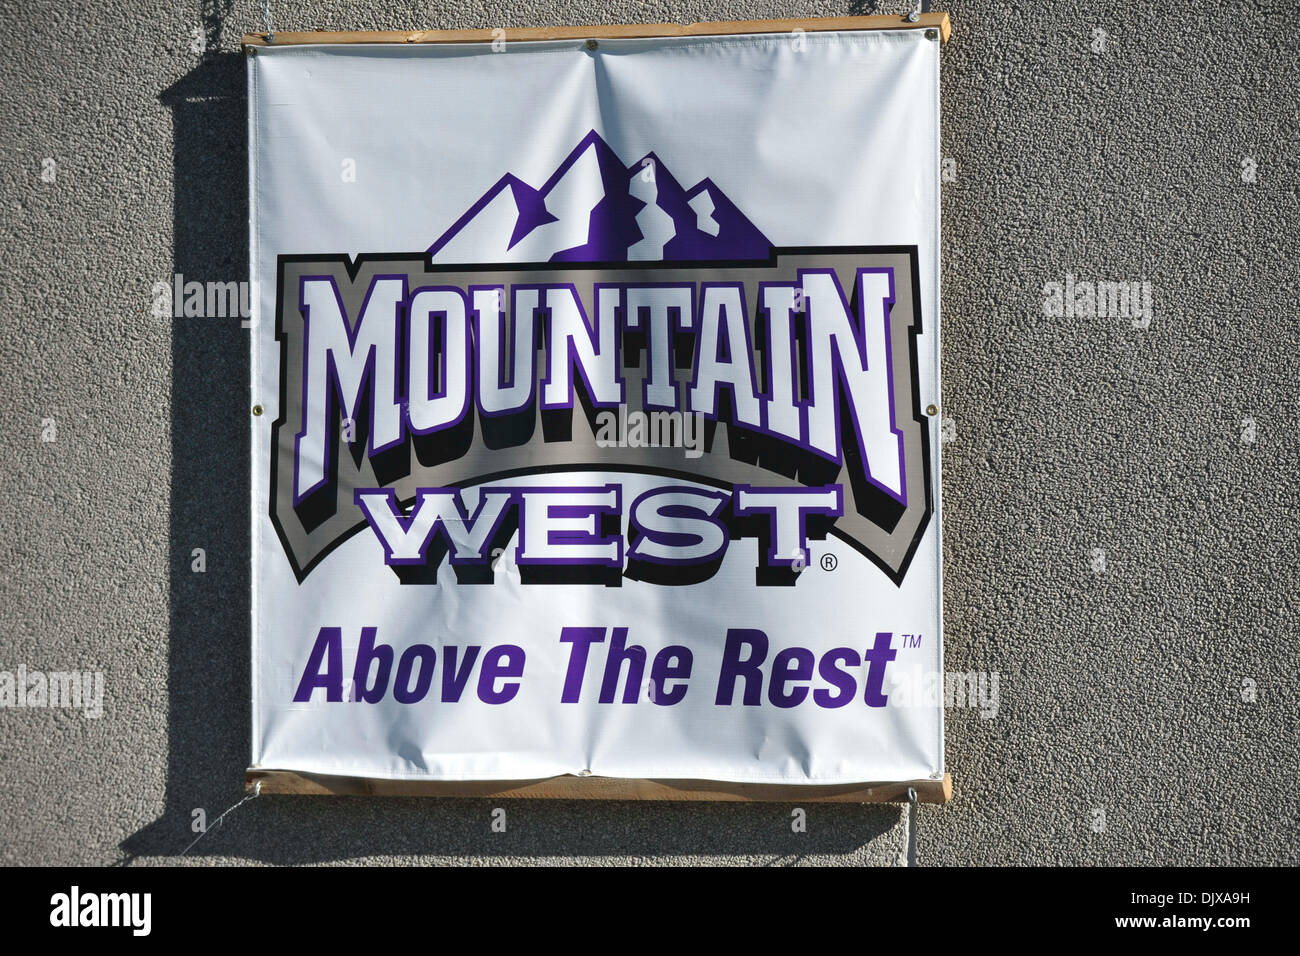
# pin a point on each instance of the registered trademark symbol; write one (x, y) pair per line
(829, 562)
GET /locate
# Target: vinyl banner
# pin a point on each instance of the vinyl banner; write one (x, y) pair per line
(592, 429)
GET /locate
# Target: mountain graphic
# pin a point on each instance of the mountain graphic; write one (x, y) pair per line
(593, 208)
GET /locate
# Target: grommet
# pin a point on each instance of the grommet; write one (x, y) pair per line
(932, 410)
(932, 34)
(257, 410)
(250, 51)
(592, 44)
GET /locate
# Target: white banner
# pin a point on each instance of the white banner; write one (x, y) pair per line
(593, 385)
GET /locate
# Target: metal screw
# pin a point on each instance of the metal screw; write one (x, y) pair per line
(592, 44)
(257, 409)
(932, 410)
(932, 34)
(913, 16)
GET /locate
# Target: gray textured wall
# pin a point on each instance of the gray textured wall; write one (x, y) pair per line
(1121, 689)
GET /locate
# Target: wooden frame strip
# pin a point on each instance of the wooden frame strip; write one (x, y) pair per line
(598, 788)
(622, 31)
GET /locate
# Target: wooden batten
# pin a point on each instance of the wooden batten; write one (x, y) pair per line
(570, 787)
(621, 31)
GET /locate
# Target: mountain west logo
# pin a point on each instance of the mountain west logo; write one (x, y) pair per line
(435, 402)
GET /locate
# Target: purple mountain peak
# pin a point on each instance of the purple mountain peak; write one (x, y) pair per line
(593, 208)
(531, 205)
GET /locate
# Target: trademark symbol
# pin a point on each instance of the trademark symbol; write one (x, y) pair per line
(829, 562)
(911, 640)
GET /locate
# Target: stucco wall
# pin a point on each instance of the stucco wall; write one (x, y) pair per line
(1171, 449)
